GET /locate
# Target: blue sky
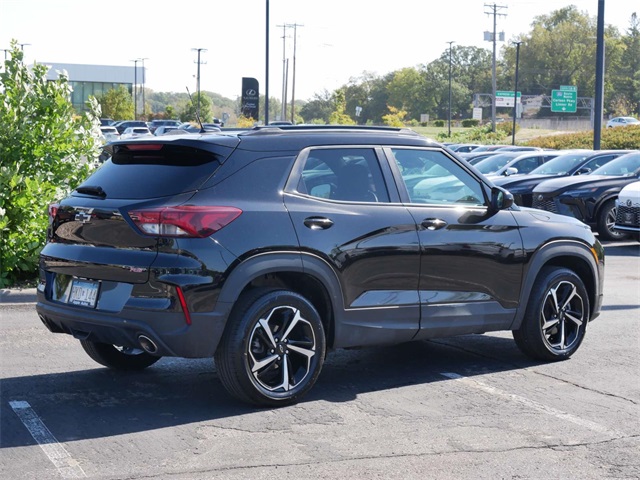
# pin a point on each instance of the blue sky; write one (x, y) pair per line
(336, 40)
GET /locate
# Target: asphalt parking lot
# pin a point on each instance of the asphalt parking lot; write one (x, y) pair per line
(464, 407)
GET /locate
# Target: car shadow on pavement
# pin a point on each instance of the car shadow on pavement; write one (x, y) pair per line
(98, 402)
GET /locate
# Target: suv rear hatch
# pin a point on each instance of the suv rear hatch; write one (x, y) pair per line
(92, 234)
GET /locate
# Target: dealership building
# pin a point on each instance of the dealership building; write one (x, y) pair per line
(88, 80)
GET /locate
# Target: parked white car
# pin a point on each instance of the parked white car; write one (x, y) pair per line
(134, 132)
(622, 122)
(628, 210)
(109, 133)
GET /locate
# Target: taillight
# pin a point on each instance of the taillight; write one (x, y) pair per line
(53, 211)
(183, 221)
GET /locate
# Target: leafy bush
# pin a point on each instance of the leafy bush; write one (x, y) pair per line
(482, 135)
(620, 138)
(438, 123)
(46, 150)
(470, 122)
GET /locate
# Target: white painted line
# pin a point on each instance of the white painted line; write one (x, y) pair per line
(66, 465)
(596, 427)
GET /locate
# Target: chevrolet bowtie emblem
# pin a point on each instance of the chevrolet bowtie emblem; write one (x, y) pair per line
(82, 217)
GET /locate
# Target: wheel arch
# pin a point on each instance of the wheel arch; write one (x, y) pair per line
(304, 274)
(575, 256)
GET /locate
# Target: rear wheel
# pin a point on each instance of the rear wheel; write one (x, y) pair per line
(556, 318)
(606, 221)
(273, 348)
(118, 358)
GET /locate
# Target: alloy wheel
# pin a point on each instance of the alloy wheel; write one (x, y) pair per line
(563, 314)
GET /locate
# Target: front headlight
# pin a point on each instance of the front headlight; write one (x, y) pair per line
(580, 192)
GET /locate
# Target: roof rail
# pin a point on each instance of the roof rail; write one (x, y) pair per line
(273, 129)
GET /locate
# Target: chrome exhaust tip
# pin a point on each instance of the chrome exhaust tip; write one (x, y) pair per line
(147, 344)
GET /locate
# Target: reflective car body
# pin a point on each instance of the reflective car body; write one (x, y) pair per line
(565, 165)
(628, 209)
(590, 198)
(330, 219)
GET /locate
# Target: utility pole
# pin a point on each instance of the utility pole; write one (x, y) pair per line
(293, 81)
(198, 79)
(494, 9)
(450, 43)
(283, 111)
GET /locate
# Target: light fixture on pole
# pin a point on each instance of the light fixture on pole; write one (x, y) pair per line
(198, 78)
(515, 95)
(22, 45)
(450, 43)
(143, 82)
(135, 88)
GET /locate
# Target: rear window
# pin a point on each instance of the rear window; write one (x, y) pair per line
(139, 171)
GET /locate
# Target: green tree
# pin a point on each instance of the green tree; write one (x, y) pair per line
(117, 103)
(318, 108)
(191, 108)
(339, 116)
(45, 151)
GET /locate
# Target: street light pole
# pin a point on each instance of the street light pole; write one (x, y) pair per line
(450, 43)
(597, 121)
(266, 69)
(143, 82)
(515, 95)
(135, 88)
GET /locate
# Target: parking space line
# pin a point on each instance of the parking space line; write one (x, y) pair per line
(57, 454)
(596, 427)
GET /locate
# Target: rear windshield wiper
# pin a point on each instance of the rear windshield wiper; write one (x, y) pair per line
(94, 190)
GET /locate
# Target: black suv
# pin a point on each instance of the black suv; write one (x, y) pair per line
(266, 248)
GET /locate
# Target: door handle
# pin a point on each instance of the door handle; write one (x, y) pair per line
(433, 223)
(318, 223)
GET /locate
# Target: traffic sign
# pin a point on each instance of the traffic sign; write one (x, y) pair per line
(564, 100)
(504, 98)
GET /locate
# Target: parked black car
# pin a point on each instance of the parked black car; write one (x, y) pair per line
(124, 124)
(565, 165)
(591, 198)
(266, 248)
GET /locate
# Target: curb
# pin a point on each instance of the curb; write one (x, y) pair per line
(17, 295)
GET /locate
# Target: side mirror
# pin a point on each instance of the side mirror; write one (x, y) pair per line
(510, 171)
(583, 171)
(500, 199)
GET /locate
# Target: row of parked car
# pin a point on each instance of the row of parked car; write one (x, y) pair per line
(584, 184)
(112, 130)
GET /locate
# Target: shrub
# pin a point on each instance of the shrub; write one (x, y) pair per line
(46, 150)
(482, 135)
(470, 122)
(438, 123)
(620, 138)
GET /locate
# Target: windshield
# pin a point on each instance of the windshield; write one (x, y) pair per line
(560, 165)
(495, 162)
(625, 166)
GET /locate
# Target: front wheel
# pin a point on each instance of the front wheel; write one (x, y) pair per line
(606, 221)
(556, 317)
(273, 348)
(118, 358)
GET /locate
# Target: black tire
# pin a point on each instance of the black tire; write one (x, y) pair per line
(272, 349)
(606, 220)
(556, 317)
(118, 358)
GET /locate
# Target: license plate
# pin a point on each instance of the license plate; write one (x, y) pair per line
(628, 217)
(84, 293)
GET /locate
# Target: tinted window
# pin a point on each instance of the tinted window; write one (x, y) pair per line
(346, 174)
(432, 177)
(626, 165)
(154, 172)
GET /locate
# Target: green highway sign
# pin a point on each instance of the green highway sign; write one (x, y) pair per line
(504, 98)
(564, 100)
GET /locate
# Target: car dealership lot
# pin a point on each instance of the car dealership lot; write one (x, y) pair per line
(464, 407)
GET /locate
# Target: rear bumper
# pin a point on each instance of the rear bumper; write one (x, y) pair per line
(167, 329)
